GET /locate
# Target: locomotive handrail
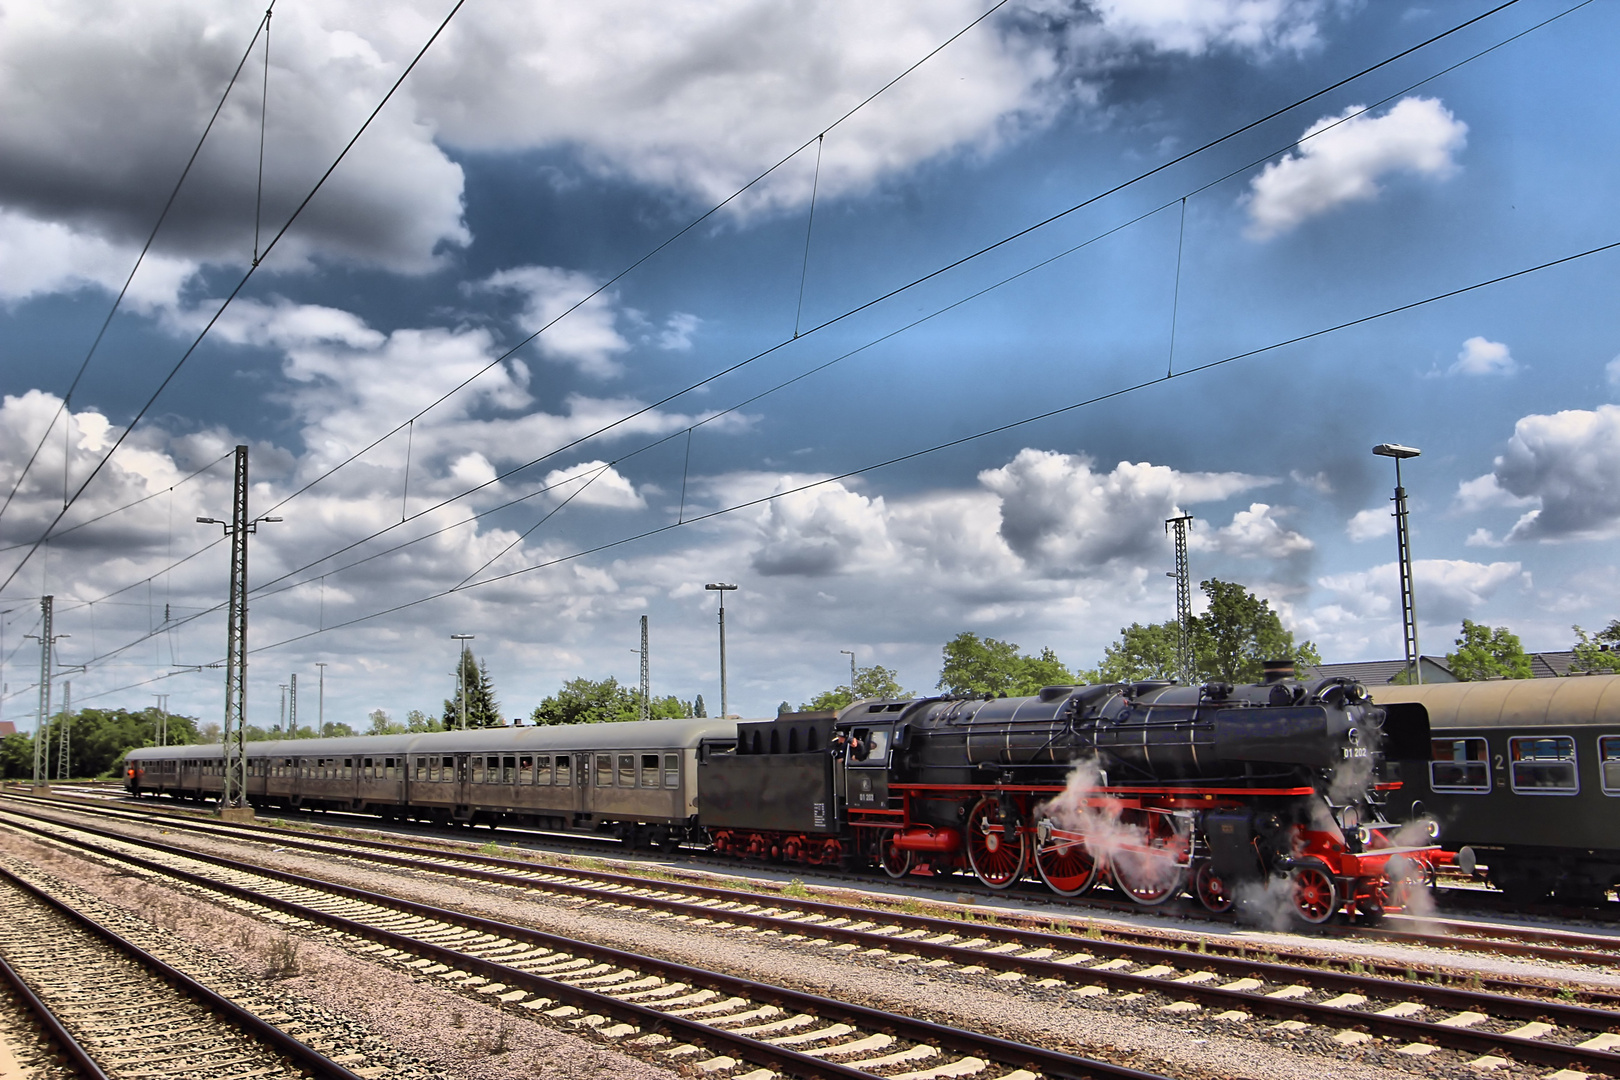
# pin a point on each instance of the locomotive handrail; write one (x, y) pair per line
(1111, 790)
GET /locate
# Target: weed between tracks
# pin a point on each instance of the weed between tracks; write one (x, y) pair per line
(281, 957)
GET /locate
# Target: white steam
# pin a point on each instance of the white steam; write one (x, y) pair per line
(1126, 848)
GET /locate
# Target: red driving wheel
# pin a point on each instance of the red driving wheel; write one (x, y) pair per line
(996, 851)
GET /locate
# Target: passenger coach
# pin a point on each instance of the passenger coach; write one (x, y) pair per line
(1524, 778)
(637, 780)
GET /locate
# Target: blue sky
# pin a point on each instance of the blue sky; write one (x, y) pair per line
(534, 155)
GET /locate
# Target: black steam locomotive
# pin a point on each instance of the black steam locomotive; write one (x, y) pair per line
(1224, 791)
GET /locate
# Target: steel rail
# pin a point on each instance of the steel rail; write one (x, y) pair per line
(1051, 1063)
(1527, 1049)
(54, 1030)
(1231, 960)
(215, 1002)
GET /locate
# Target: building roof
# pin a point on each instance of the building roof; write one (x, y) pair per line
(1384, 672)
(7, 728)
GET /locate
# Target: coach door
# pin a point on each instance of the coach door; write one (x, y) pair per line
(463, 789)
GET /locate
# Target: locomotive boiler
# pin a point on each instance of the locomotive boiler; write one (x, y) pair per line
(1249, 792)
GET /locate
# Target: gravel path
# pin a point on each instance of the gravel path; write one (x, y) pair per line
(1128, 1029)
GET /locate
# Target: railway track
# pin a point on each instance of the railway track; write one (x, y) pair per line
(1448, 934)
(115, 1010)
(1504, 1020)
(717, 1023)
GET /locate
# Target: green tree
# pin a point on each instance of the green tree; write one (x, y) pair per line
(383, 724)
(587, 701)
(669, 707)
(1141, 653)
(1239, 632)
(482, 709)
(698, 708)
(975, 665)
(98, 739)
(876, 681)
(1486, 653)
(1598, 652)
(417, 720)
(336, 730)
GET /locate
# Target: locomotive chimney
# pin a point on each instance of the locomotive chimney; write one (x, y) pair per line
(1277, 670)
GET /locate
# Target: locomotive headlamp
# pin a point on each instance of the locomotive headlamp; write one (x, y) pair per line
(1432, 827)
(1363, 835)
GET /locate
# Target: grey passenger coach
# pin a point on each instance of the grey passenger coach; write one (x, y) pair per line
(636, 780)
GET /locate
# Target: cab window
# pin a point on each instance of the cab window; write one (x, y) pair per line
(1543, 765)
(869, 746)
(1461, 765)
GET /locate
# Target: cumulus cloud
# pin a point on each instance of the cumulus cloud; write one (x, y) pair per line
(1482, 357)
(1370, 524)
(1343, 158)
(39, 257)
(1566, 462)
(105, 100)
(1446, 590)
(586, 338)
(594, 483)
(825, 530)
(1254, 533)
(1061, 515)
(1486, 493)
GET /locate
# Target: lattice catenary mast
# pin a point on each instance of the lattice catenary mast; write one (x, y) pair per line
(1185, 667)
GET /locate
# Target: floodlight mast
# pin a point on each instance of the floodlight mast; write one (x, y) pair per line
(722, 588)
(1403, 547)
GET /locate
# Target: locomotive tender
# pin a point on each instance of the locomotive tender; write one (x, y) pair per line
(1274, 790)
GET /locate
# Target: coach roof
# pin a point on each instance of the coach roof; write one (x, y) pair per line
(630, 735)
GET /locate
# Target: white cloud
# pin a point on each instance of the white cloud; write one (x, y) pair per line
(1062, 516)
(597, 484)
(1482, 357)
(1566, 461)
(586, 338)
(1370, 524)
(1319, 482)
(1254, 533)
(1445, 590)
(1486, 493)
(1482, 537)
(676, 336)
(1342, 161)
(104, 101)
(825, 530)
(39, 257)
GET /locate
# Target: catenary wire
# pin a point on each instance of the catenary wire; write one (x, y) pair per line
(119, 299)
(268, 589)
(128, 505)
(1111, 395)
(240, 285)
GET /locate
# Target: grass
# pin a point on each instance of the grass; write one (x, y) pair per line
(281, 956)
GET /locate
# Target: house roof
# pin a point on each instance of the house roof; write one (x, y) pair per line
(1384, 672)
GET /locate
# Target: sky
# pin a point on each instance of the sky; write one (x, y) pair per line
(906, 319)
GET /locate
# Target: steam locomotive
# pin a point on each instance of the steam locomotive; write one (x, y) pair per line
(1249, 793)
(1268, 792)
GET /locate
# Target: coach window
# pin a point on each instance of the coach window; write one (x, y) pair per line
(649, 770)
(492, 775)
(1543, 765)
(564, 769)
(368, 771)
(1460, 765)
(627, 770)
(525, 770)
(508, 770)
(477, 770)
(604, 770)
(1609, 763)
(542, 769)
(672, 770)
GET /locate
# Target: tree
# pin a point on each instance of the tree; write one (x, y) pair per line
(1598, 652)
(876, 681)
(98, 740)
(383, 724)
(584, 701)
(1486, 653)
(417, 720)
(482, 709)
(1239, 633)
(698, 708)
(975, 665)
(666, 708)
(1141, 653)
(335, 730)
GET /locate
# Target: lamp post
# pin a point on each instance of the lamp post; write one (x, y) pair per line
(851, 654)
(722, 588)
(320, 697)
(1403, 545)
(461, 673)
